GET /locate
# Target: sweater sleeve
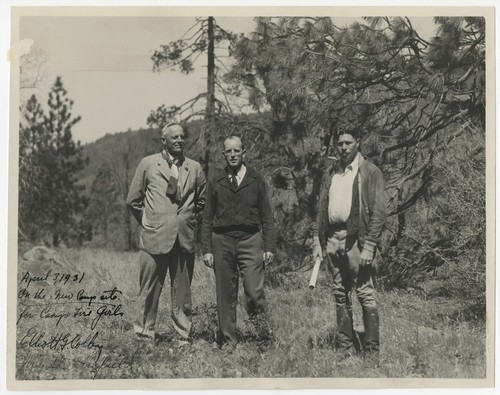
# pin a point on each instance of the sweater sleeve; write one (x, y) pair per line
(208, 219)
(266, 217)
(201, 190)
(377, 206)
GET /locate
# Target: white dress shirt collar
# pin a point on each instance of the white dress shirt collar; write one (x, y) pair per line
(239, 174)
(353, 166)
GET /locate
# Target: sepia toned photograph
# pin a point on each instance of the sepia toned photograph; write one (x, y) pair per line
(241, 198)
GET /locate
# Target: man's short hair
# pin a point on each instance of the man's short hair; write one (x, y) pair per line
(168, 125)
(235, 136)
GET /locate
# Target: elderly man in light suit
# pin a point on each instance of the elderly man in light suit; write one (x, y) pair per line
(167, 192)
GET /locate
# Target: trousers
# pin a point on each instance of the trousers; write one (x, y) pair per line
(234, 256)
(153, 270)
(343, 256)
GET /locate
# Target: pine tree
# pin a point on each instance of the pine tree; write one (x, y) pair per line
(182, 54)
(33, 140)
(408, 97)
(51, 158)
(104, 208)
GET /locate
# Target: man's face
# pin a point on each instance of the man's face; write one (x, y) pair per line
(173, 140)
(347, 146)
(233, 153)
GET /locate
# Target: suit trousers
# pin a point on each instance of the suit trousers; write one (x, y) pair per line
(153, 270)
(234, 256)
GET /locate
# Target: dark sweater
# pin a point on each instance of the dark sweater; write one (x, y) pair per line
(244, 210)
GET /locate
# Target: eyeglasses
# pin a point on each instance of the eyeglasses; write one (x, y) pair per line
(233, 152)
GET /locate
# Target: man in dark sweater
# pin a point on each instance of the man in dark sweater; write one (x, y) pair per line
(238, 210)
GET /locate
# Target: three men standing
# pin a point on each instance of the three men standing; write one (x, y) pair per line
(351, 217)
(167, 192)
(237, 209)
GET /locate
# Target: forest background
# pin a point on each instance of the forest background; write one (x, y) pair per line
(419, 105)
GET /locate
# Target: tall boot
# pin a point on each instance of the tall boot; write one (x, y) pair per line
(372, 345)
(344, 328)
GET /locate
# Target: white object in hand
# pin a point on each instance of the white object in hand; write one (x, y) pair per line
(315, 272)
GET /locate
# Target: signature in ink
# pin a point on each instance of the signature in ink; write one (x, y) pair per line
(61, 341)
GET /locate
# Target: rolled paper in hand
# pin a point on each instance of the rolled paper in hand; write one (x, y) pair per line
(315, 272)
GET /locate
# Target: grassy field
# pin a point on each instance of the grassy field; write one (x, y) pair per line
(419, 337)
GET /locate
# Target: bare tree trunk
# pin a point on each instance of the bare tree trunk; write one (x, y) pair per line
(105, 232)
(128, 223)
(210, 106)
(401, 224)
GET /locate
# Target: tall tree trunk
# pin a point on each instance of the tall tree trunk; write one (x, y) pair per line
(128, 223)
(401, 224)
(210, 106)
(105, 231)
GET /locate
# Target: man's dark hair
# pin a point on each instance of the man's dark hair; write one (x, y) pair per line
(353, 132)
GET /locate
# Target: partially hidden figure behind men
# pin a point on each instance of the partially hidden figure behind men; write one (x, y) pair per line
(238, 209)
(351, 217)
(167, 192)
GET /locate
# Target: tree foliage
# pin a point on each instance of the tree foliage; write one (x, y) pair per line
(205, 37)
(418, 104)
(407, 96)
(50, 200)
(113, 223)
(182, 54)
(103, 206)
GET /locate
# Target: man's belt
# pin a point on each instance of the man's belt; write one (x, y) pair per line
(337, 227)
(236, 230)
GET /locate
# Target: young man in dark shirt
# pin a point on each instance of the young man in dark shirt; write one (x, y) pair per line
(238, 210)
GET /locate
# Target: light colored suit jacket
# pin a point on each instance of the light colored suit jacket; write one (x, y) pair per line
(163, 218)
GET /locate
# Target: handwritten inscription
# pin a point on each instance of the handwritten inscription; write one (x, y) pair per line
(64, 316)
(60, 341)
(49, 276)
(99, 306)
(94, 367)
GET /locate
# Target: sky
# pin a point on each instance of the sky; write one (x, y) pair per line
(105, 65)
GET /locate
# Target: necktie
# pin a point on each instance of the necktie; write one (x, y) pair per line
(173, 188)
(177, 162)
(234, 180)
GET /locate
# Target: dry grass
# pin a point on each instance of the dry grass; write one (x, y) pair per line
(418, 338)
